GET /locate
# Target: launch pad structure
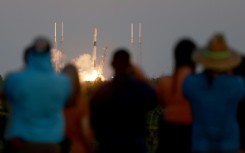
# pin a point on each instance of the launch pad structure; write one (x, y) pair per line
(58, 52)
(57, 55)
(137, 54)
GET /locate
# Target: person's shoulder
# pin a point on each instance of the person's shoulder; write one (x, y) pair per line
(142, 86)
(61, 77)
(192, 81)
(11, 80)
(236, 77)
(232, 78)
(163, 80)
(104, 88)
(12, 76)
(61, 80)
(193, 77)
(137, 82)
(236, 84)
(238, 80)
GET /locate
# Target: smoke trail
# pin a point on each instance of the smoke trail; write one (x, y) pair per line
(57, 59)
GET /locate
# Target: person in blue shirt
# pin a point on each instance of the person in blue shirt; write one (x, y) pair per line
(214, 95)
(37, 96)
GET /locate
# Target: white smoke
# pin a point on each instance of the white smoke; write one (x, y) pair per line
(57, 59)
(84, 64)
(86, 69)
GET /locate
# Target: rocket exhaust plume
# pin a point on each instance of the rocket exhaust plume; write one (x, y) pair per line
(85, 68)
(94, 48)
(88, 68)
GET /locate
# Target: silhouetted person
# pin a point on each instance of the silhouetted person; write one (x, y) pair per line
(119, 109)
(78, 131)
(3, 111)
(37, 96)
(240, 70)
(175, 133)
(214, 96)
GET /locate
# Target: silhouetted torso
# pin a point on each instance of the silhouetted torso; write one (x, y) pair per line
(119, 111)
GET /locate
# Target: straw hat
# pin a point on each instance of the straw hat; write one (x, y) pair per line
(217, 56)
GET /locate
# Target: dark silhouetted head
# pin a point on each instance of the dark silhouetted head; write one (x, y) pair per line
(183, 53)
(121, 60)
(40, 45)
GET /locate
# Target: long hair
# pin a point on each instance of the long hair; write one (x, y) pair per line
(71, 71)
(183, 54)
(209, 76)
(183, 57)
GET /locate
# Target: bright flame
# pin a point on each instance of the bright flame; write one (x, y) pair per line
(91, 77)
(86, 69)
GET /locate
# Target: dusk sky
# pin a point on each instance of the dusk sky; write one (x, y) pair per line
(163, 23)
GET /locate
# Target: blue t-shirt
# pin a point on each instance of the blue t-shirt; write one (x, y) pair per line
(37, 96)
(214, 109)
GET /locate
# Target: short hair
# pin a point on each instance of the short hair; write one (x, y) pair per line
(121, 59)
(41, 45)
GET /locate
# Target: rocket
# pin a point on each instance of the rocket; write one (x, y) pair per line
(94, 48)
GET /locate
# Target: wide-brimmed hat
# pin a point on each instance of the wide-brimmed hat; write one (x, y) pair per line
(217, 55)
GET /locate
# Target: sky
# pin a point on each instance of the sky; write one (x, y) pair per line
(164, 22)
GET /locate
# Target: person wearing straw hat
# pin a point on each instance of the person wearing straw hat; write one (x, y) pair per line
(214, 95)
